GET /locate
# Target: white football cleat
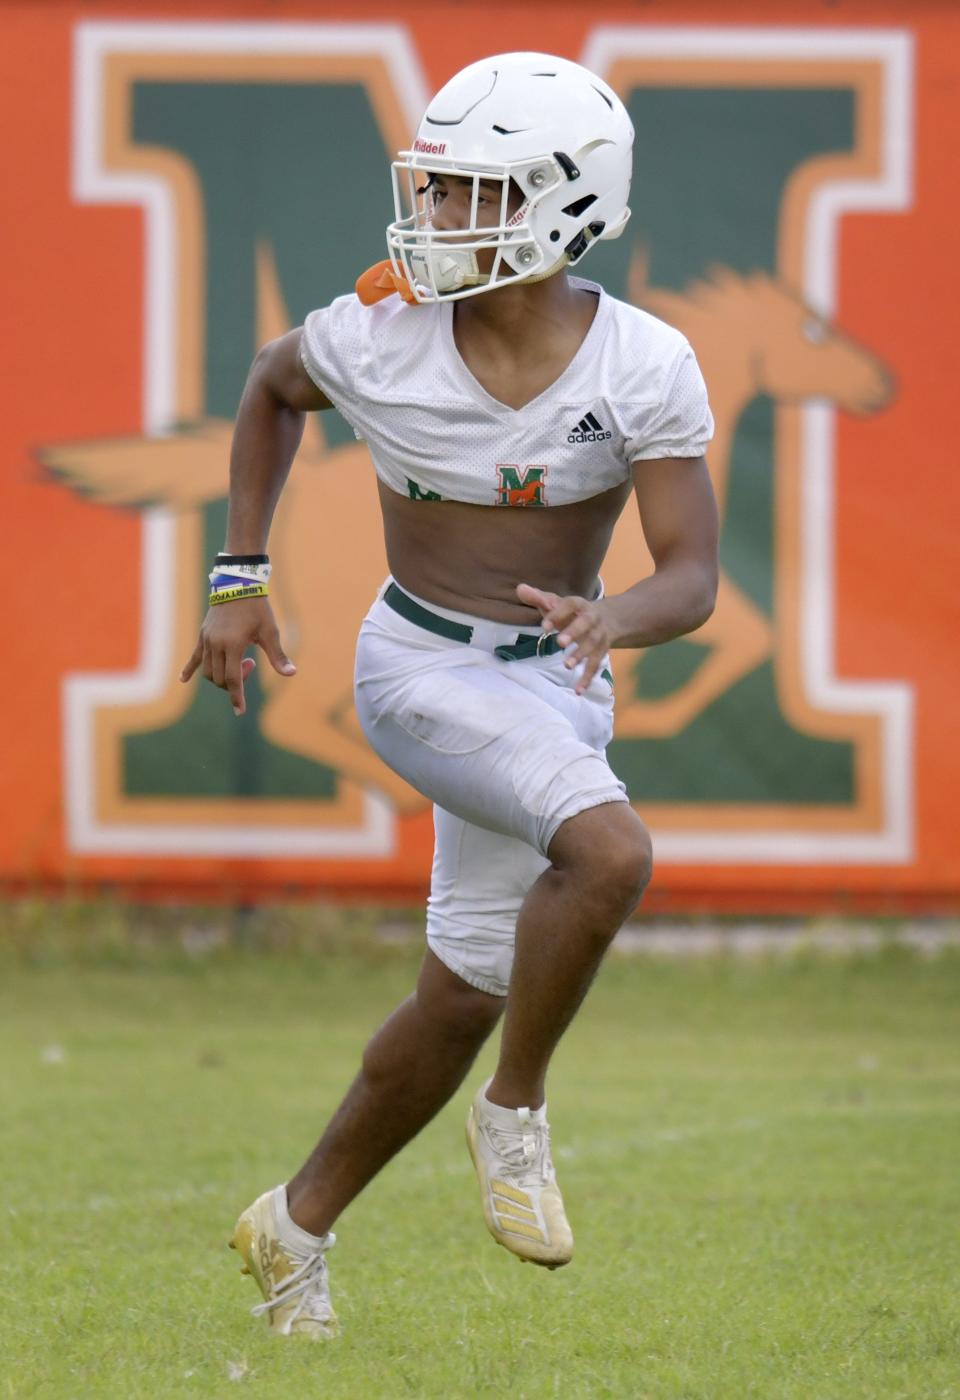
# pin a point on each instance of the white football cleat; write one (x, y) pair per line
(294, 1282)
(522, 1204)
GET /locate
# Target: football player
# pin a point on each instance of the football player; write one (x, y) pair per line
(510, 408)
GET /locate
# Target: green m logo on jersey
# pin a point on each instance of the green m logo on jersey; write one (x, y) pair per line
(521, 486)
(740, 744)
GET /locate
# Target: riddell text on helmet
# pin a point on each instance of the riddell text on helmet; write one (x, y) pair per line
(430, 148)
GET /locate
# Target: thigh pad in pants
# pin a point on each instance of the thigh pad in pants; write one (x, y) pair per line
(503, 745)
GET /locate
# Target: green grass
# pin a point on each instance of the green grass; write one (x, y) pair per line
(760, 1161)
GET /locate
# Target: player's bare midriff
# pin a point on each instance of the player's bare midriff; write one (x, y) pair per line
(471, 558)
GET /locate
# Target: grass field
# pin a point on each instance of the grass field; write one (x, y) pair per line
(759, 1157)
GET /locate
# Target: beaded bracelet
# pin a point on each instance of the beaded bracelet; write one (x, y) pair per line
(236, 576)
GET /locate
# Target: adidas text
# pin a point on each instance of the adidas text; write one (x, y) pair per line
(589, 437)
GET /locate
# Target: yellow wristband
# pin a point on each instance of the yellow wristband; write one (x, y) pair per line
(246, 590)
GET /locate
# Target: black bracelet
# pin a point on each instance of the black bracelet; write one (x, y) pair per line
(242, 559)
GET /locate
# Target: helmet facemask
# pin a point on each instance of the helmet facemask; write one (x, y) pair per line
(442, 263)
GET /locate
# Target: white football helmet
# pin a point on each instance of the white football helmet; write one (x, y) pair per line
(556, 130)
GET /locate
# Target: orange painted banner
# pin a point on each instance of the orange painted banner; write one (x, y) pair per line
(183, 182)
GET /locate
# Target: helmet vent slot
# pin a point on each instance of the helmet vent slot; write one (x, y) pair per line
(605, 97)
(580, 206)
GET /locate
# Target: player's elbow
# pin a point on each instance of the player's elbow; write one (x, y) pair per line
(703, 595)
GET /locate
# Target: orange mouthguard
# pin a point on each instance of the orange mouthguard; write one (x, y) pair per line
(381, 281)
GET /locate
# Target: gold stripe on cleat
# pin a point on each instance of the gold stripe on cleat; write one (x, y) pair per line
(510, 1193)
(517, 1227)
(515, 1212)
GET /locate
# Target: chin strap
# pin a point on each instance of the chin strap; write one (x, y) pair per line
(550, 272)
(381, 281)
(483, 278)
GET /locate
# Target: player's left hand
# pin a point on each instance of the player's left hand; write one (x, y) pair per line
(576, 620)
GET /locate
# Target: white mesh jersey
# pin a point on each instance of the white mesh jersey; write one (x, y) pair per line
(633, 391)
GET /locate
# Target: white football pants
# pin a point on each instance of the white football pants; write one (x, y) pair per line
(507, 752)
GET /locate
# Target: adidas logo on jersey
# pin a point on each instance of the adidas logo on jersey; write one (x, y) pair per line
(589, 430)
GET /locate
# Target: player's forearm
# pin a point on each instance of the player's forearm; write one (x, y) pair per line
(675, 600)
(265, 440)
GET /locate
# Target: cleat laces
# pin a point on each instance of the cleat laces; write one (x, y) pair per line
(308, 1283)
(524, 1151)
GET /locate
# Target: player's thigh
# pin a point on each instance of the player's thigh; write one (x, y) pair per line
(493, 752)
(480, 879)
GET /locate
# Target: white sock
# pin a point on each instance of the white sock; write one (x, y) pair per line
(290, 1233)
(509, 1117)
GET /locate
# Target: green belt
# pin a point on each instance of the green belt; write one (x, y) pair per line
(523, 647)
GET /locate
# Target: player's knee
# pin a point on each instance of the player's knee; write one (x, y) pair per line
(608, 850)
(626, 864)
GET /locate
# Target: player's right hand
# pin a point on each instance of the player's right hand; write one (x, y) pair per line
(227, 631)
